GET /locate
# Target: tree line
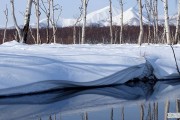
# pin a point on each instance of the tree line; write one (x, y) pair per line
(94, 35)
(79, 32)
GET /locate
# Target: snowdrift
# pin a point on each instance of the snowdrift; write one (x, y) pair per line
(35, 68)
(41, 80)
(138, 71)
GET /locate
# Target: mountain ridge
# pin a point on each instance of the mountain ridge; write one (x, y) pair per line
(101, 18)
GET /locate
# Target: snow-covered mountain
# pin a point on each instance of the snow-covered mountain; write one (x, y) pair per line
(101, 18)
(62, 22)
(130, 17)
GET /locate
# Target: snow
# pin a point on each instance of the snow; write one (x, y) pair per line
(101, 17)
(36, 68)
(48, 66)
(130, 17)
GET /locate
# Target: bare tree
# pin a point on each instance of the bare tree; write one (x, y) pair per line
(31, 32)
(156, 20)
(121, 20)
(52, 19)
(47, 11)
(85, 3)
(177, 25)
(148, 7)
(115, 34)
(27, 21)
(6, 14)
(110, 13)
(37, 20)
(141, 23)
(75, 24)
(166, 24)
(15, 22)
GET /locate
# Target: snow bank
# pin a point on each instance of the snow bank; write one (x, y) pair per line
(42, 67)
(11, 43)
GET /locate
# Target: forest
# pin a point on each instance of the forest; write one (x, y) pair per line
(81, 33)
(94, 35)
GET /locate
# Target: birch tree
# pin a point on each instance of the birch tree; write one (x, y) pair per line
(156, 20)
(47, 11)
(110, 13)
(37, 20)
(85, 3)
(121, 20)
(177, 25)
(166, 24)
(54, 22)
(6, 14)
(141, 23)
(27, 20)
(148, 9)
(15, 22)
(75, 24)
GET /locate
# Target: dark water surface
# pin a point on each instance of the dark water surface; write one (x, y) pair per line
(130, 101)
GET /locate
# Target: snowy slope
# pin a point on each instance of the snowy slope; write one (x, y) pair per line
(42, 67)
(101, 16)
(60, 23)
(131, 17)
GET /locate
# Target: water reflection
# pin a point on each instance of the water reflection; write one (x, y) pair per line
(119, 102)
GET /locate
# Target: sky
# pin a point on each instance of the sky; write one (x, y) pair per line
(70, 8)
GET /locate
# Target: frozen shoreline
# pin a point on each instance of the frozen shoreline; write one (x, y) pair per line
(22, 64)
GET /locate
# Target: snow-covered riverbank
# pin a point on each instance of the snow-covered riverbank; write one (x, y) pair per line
(22, 64)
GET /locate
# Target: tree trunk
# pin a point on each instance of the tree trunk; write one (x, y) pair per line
(148, 9)
(121, 20)
(167, 22)
(141, 23)
(48, 20)
(74, 34)
(15, 22)
(53, 22)
(80, 35)
(177, 26)
(110, 13)
(156, 21)
(6, 14)
(84, 21)
(37, 19)
(77, 21)
(27, 21)
(115, 35)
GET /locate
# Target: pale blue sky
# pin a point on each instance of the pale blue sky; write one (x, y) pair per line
(70, 8)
